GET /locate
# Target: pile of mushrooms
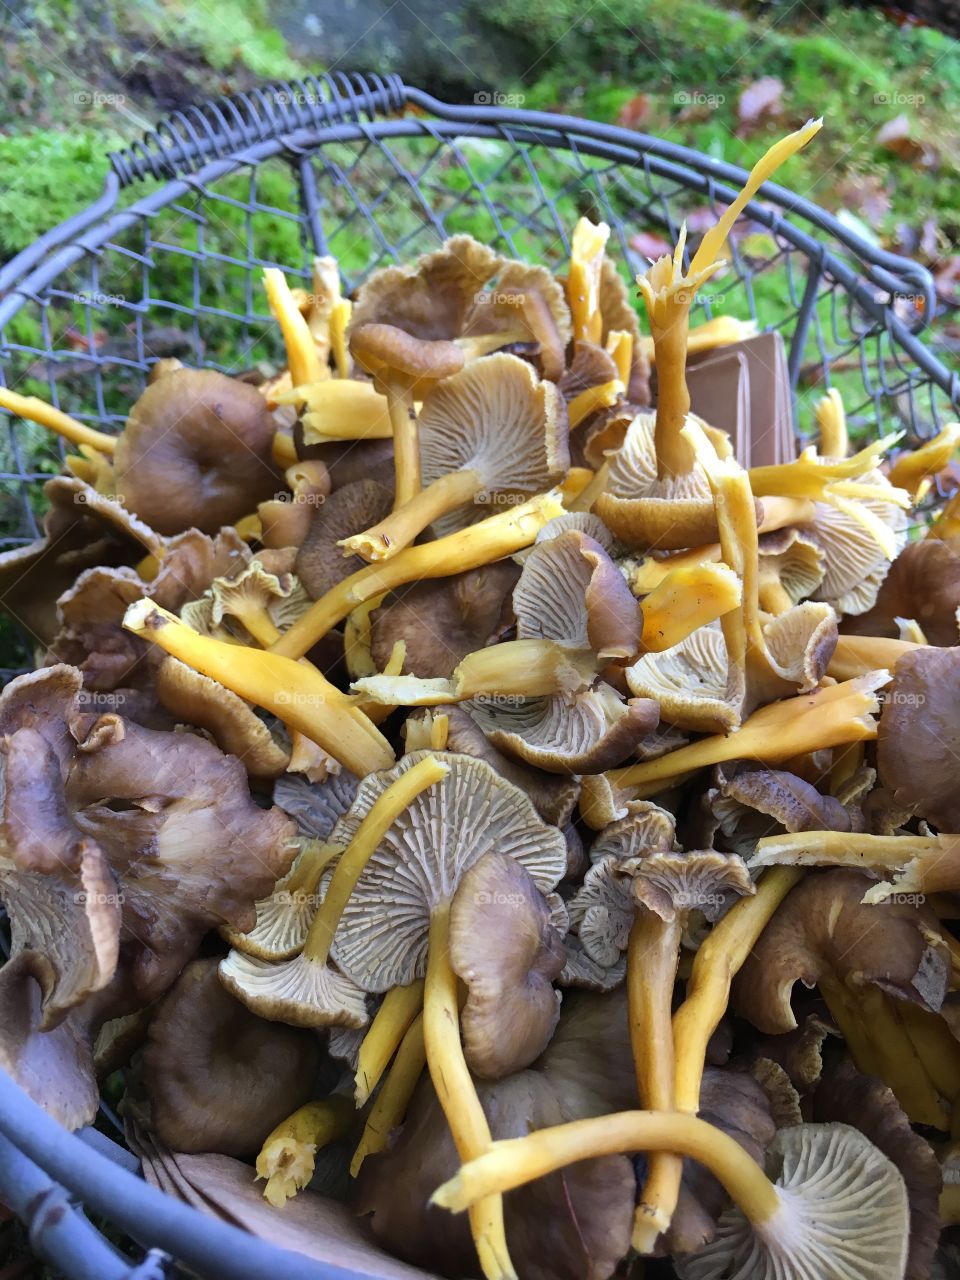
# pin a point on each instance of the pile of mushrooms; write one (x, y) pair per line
(475, 824)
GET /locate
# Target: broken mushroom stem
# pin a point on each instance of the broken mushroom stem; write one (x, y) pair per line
(295, 692)
(491, 539)
(399, 529)
(302, 358)
(45, 415)
(685, 599)
(287, 1157)
(390, 1105)
(400, 1008)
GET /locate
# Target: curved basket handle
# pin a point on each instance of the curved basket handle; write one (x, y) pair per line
(186, 140)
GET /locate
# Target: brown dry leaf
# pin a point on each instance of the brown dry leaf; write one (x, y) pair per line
(899, 136)
(635, 112)
(760, 101)
(865, 194)
(650, 245)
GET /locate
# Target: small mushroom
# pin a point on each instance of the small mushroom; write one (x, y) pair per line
(505, 949)
(749, 802)
(524, 304)
(219, 1078)
(923, 583)
(195, 452)
(791, 568)
(350, 508)
(404, 368)
(492, 427)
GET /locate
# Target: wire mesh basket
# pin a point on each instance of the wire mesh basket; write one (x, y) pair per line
(168, 262)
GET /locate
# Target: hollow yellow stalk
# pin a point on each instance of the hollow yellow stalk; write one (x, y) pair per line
(439, 732)
(619, 347)
(914, 470)
(828, 717)
(583, 279)
(721, 331)
(602, 396)
(592, 491)
(685, 600)
(476, 346)
(383, 814)
(856, 655)
(393, 1019)
(491, 539)
(573, 484)
(456, 1093)
(399, 529)
(924, 864)
(302, 358)
(832, 425)
(341, 409)
(390, 1105)
(283, 450)
(294, 691)
(339, 324)
(287, 1157)
(514, 1162)
(45, 415)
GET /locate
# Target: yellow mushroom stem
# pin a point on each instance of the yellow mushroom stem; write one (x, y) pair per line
(294, 691)
(583, 279)
(602, 396)
(283, 450)
(856, 655)
(249, 527)
(652, 956)
(302, 358)
(828, 717)
(45, 415)
(935, 1045)
(950, 1204)
(772, 595)
(456, 1093)
(947, 523)
(591, 492)
(513, 1162)
(915, 469)
(721, 331)
(619, 347)
(832, 424)
(339, 324)
(390, 1105)
(406, 440)
(715, 965)
(844, 765)
(924, 864)
(358, 638)
(287, 1157)
(491, 539)
(439, 732)
(383, 814)
(573, 484)
(398, 530)
(341, 409)
(400, 1007)
(476, 346)
(685, 600)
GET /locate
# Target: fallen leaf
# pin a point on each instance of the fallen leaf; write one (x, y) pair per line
(866, 195)
(760, 101)
(634, 112)
(649, 245)
(898, 135)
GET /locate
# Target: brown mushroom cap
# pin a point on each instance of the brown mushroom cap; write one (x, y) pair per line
(196, 452)
(393, 356)
(431, 297)
(823, 930)
(525, 296)
(865, 1102)
(750, 802)
(503, 946)
(923, 583)
(320, 563)
(497, 418)
(919, 736)
(441, 620)
(423, 857)
(591, 366)
(218, 1077)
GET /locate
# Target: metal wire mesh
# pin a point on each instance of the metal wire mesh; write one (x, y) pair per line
(273, 180)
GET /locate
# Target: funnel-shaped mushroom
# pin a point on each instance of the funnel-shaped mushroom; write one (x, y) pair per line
(219, 1078)
(420, 863)
(657, 494)
(506, 951)
(492, 427)
(404, 368)
(307, 990)
(837, 1202)
(195, 452)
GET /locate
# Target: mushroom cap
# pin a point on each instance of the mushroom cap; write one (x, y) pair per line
(504, 947)
(919, 736)
(391, 354)
(431, 297)
(602, 912)
(316, 807)
(299, 991)
(350, 509)
(923, 583)
(846, 1096)
(495, 417)
(745, 799)
(571, 592)
(798, 562)
(525, 295)
(823, 929)
(441, 620)
(854, 565)
(843, 1206)
(554, 796)
(646, 828)
(423, 857)
(691, 683)
(591, 731)
(585, 522)
(196, 452)
(218, 1077)
(195, 699)
(672, 883)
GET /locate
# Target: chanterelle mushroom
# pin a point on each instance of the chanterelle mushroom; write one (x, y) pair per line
(219, 1078)
(492, 428)
(196, 451)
